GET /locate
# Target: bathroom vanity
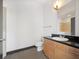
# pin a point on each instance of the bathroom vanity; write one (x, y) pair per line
(54, 49)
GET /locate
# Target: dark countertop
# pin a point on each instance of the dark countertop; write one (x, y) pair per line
(69, 43)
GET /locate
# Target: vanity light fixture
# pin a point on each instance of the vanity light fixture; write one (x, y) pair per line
(57, 5)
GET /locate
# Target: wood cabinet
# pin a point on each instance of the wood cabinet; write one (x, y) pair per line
(72, 53)
(55, 50)
(60, 51)
(49, 49)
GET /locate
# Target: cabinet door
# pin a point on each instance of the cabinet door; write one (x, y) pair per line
(51, 52)
(60, 54)
(49, 49)
(60, 51)
(45, 48)
(72, 53)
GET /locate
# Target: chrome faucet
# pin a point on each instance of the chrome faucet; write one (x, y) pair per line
(61, 36)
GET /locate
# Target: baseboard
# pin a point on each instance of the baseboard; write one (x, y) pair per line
(18, 50)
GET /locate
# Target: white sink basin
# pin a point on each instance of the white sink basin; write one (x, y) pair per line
(60, 38)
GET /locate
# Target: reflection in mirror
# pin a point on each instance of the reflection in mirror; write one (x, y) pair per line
(68, 26)
(67, 17)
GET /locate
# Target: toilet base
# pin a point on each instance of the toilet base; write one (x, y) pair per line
(39, 49)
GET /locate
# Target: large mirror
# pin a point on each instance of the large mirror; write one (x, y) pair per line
(69, 19)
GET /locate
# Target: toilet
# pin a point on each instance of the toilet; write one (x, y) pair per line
(39, 46)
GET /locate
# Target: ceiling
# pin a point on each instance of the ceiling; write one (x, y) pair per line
(40, 1)
(64, 2)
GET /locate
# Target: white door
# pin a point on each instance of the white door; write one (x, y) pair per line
(1, 29)
(4, 32)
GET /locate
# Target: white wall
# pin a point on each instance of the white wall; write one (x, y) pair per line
(24, 23)
(11, 25)
(77, 18)
(51, 20)
(29, 23)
